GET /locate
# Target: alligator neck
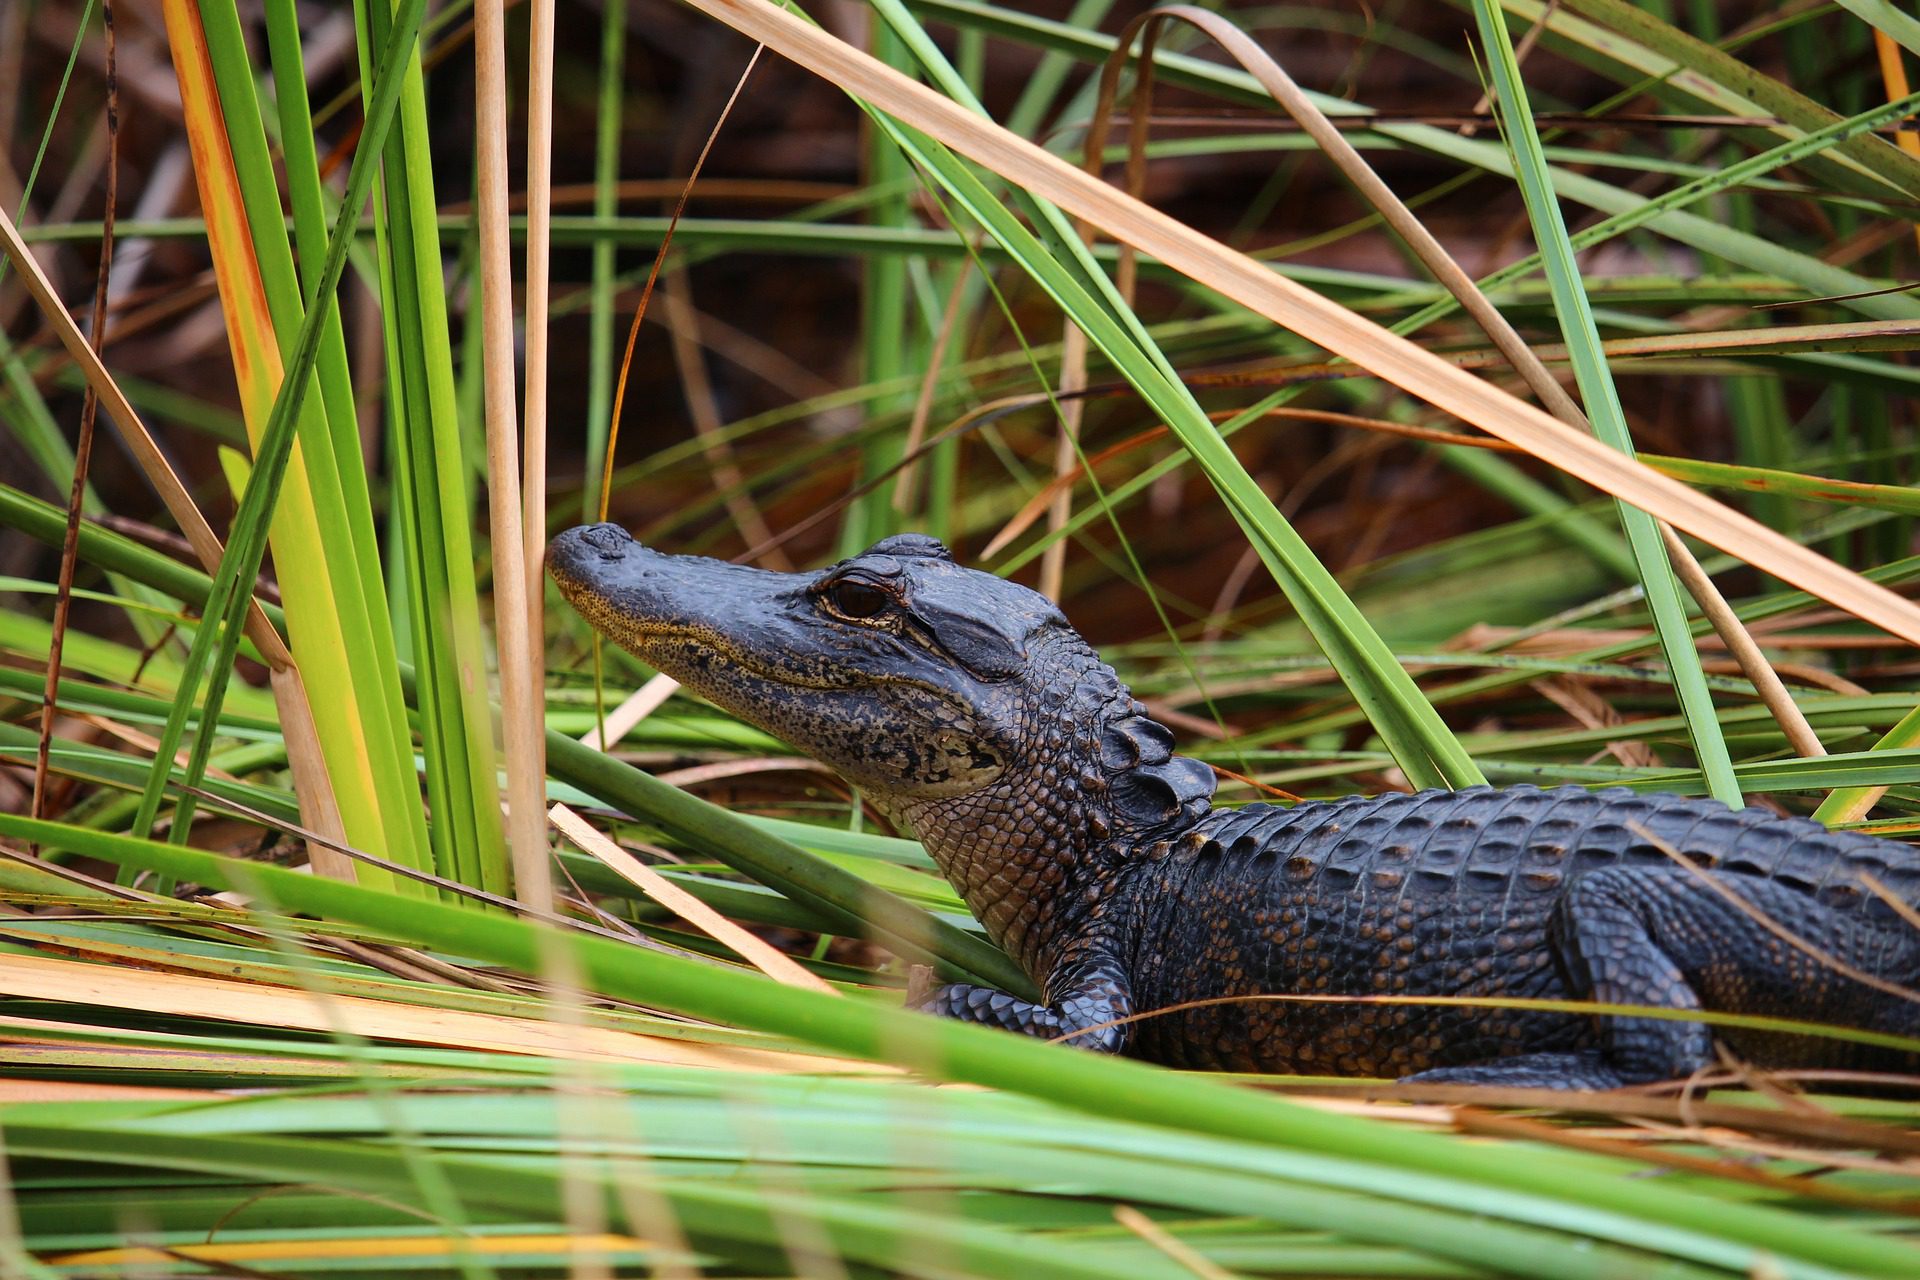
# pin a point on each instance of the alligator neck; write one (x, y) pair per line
(1091, 785)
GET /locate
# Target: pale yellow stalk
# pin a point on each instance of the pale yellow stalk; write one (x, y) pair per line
(775, 964)
(533, 498)
(521, 726)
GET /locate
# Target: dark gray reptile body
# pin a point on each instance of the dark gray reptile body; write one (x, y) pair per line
(1461, 894)
(969, 710)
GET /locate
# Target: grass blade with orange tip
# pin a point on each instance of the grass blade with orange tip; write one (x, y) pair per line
(258, 366)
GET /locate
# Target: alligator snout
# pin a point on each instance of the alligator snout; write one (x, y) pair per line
(620, 585)
(607, 539)
(604, 541)
(592, 557)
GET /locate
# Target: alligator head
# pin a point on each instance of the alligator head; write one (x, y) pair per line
(961, 703)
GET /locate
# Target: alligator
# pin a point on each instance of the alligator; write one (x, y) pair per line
(967, 710)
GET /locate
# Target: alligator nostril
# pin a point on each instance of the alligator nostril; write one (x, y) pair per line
(608, 539)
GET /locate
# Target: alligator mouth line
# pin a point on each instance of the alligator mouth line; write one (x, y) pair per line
(747, 663)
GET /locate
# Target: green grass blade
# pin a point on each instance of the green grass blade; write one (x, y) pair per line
(1874, 157)
(433, 507)
(1603, 402)
(891, 346)
(606, 204)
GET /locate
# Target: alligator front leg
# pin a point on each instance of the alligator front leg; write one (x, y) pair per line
(1085, 996)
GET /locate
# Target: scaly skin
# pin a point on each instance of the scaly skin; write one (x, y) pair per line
(970, 712)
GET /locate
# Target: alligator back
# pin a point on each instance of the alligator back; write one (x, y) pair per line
(1506, 839)
(1438, 893)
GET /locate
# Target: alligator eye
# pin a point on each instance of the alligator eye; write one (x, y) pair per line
(857, 600)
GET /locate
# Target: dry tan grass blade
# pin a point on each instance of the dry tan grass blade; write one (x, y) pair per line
(775, 964)
(1182, 1253)
(159, 472)
(311, 781)
(539, 249)
(521, 728)
(1740, 643)
(251, 1003)
(231, 1258)
(1235, 276)
(640, 704)
(15, 1092)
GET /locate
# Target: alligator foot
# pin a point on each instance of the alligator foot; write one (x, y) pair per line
(1009, 1013)
(1529, 1071)
(1630, 936)
(1093, 998)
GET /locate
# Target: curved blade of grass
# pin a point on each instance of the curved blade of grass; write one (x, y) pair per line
(1603, 402)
